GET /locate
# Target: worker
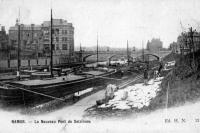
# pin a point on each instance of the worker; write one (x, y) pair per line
(160, 68)
(121, 72)
(155, 74)
(145, 76)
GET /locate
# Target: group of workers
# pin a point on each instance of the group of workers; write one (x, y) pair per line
(156, 73)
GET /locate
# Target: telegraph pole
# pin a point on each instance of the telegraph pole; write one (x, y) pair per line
(51, 47)
(97, 49)
(80, 53)
(18, 52)
(127, 53)
(193, 48)
(142, 51)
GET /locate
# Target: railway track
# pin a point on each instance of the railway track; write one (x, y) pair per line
(128, 82)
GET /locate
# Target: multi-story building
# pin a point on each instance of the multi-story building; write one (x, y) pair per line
(189, 42)
(63, 37)
(35, 39)
(30, 39)
(3, 39)
(155, 45)
(3, 44)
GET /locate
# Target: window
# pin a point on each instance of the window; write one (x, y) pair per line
(64, 39)
(71, 31)
(57, 39)
(25, 42)
(64, 32)
(35, 34)
(46, 47)
(53, 48)
(57, 47)
(57, 31)
(13, 42)
(64, 47)
(46, 32)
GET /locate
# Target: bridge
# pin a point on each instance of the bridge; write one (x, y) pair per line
(91, 56)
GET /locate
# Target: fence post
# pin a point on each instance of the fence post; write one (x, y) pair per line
(8, 63)
(29, 63)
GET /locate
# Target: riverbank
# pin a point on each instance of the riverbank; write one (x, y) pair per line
(177, 87)
(131, 99)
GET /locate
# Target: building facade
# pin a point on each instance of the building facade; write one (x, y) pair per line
(30, 40)
(155, 45)
(63, 37)
(35, 39)
(189, 42)
(3, 39)
(3, 44)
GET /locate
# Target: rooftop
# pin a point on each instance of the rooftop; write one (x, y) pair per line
(44, 24)
(26, 27)
(57, 22)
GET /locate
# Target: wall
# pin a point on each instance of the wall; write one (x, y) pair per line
(4, 63)
(33, 62)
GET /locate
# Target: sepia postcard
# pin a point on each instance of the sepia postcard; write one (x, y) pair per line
(99, 66)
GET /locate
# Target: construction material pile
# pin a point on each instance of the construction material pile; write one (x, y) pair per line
(136, 96)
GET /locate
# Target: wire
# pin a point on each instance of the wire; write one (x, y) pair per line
(129, 82)
(107, 78)
(37, 93)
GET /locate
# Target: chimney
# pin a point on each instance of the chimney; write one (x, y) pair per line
(17, 22)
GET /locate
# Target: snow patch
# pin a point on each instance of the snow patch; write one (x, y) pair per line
(136, 96)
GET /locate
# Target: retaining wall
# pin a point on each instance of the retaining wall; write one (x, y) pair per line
(32, 62)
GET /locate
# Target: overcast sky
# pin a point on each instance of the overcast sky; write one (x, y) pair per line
(115, 21)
